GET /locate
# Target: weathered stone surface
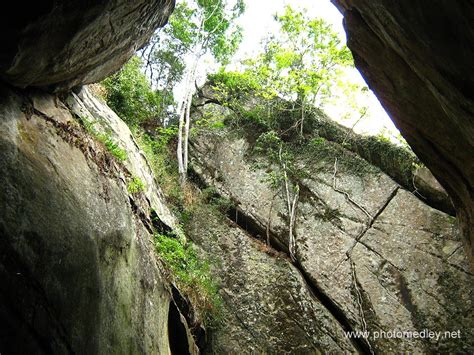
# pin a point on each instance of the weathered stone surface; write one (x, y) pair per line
(417, 58)
(399, 163)
(79, 272)
(430, 190)
(389, 271)
(268, 307)
(63, 44)
(413, 269)
(87, 106)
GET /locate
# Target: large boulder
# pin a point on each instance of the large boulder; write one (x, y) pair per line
(381, 259)
(268, 306)
(62, 44)
(78, 267)
(417, 57)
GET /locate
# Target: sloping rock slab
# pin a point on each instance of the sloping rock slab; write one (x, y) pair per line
(417, 58)
(63, 44)
(268, 307)
(342, 251)
(78, 268)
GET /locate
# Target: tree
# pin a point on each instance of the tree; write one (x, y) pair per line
(296, 72)
(217, 34)
(302, 62)
(196, 28)
(130, 95)
(283, 176)
(164, 57)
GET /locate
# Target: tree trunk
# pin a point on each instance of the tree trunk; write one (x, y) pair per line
(186, 131)
(179, 150)
(302, 116)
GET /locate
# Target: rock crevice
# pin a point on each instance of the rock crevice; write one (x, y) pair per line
(415, 56)
(85, 276)
(373, 271)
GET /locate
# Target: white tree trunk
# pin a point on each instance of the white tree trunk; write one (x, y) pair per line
(184, 123)
(302, 118)
(292, 224)
(291, 206)
(186, 131)
(179, 150)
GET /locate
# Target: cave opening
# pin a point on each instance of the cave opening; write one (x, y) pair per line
(177, 336)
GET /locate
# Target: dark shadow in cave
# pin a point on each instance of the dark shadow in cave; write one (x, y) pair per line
(177, 335)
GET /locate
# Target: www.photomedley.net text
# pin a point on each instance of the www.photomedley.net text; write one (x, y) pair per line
(408, 334)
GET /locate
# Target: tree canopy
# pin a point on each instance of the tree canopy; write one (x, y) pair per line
(300, 64)
(296, 70)
(303, 61)
(129, 94)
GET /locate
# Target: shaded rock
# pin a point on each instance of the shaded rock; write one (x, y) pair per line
(429, 189)
(333, 233)
(63, 44)
(105, 121)
(417, 58)
(78, 266)
(268, 307)
(413, 269)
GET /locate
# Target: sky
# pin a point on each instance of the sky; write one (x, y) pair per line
(258, 21)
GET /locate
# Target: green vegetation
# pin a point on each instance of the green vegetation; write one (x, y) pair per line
(192, 276)
(295, 73)
(317, 141)
(112, 146)
(129, 94)
(211, 30)
(283, 177)
(209, 120)
(135, 185)
(190, 273)
(105, 138)
(275, 99)
(158, 149)
(211, 198)
(231, 85)
(196, 28)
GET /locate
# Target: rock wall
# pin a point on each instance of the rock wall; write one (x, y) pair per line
(62, 44)
(78, 269)
(416, 56)
(377, 257)
(77, 262)
(268, 306)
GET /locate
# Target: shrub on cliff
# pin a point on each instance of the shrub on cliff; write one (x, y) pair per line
(129, 94)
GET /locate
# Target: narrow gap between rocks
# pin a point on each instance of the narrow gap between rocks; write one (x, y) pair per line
(177, 336)
(185, 309)
(257, 231)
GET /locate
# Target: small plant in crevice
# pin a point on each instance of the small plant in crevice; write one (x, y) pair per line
(283, 176)
(317, 141)
(332, 215)
(135, 185)
(112, 146)
(105, 138)
(212, 198)
(159, 153)
(191, 275)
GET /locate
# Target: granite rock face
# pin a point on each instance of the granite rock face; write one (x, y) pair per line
(381, 259)
(268, 307)
(78, 267)
(63, 44)
(417, 58)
